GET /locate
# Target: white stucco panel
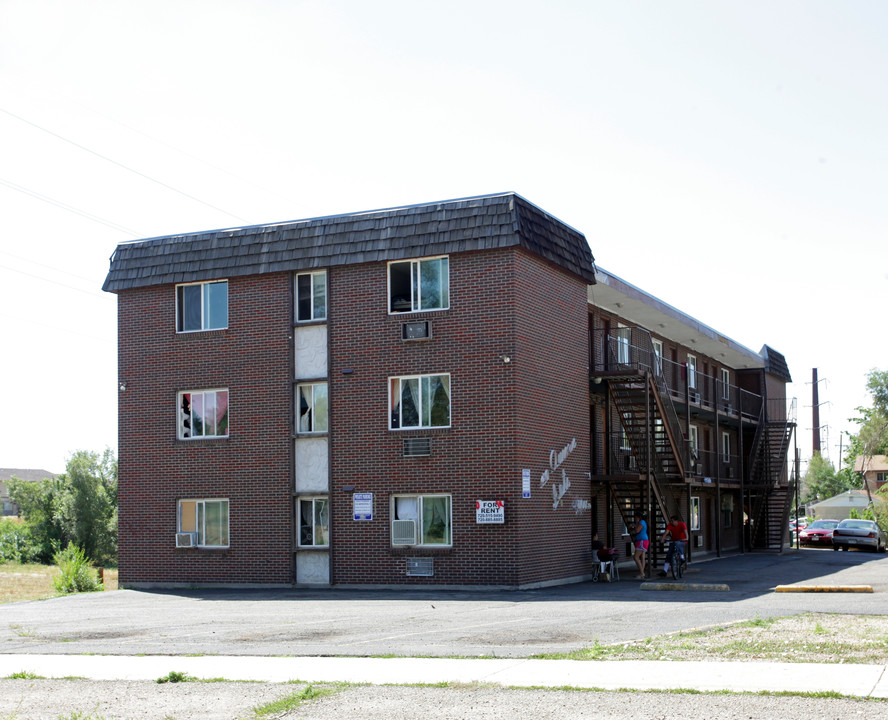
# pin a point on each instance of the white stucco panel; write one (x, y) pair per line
(313, 568)
(312, 466)
(310, 345)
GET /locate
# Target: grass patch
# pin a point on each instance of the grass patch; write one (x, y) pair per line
(291, 702)
(812, 637)
(19, 583)
(174, 676)
(24, 675)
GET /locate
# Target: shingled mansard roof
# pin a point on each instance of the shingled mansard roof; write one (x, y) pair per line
(478, 223)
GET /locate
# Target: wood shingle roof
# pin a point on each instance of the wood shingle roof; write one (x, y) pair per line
(479, 223)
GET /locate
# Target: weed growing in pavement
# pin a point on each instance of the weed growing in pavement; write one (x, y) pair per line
(24, 675)
(291, 702)
(174, 676)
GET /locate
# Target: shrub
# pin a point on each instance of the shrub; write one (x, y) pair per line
(76, 574)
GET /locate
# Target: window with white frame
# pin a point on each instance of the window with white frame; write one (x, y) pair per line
(624, 340)
(692, 372)
(422, 520)
(311, 408)
(658, 356)
(311, 296)
(202, 306)
(203, 414)
(314, 522)
(726, 447)
(695, 513)
(419, 401)
(417, 285)
(206, 521)
(726, 383)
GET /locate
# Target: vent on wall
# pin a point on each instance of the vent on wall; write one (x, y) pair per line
(421, 567)
(417, 447)
(420, 330)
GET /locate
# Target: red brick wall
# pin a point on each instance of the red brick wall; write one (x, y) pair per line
(482, 455)
(253, 359)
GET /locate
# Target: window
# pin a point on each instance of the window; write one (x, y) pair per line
(416, 285)
(430, 518)
(726, 447)
(203, 414)
(726, 384)
(311, 408)
(692, 372)
(658, 356)
(727, 508)
(207, 520)
(695, 513)
(419, 401)
(311, 296)
(693, 442)
(202, 306)
(314, 522)
(623, 339)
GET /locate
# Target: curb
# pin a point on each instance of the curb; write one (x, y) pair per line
(825, 588)
(701, 587)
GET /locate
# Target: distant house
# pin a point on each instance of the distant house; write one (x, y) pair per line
(7, 506)
(874, 471)
(839, 507)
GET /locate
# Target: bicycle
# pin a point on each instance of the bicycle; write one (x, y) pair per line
(677, 568)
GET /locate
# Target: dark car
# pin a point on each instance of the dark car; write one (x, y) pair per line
(860, 534)
(819, 532)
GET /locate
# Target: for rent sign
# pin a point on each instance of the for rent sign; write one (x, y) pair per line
(490, 511)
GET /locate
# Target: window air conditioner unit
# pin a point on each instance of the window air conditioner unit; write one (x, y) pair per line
(729, 408)
(186, 539)
(699, 468)
(403, 532)
(695, 397)
(417, 447)
(421, 330)
(730, 473)
(698, 541)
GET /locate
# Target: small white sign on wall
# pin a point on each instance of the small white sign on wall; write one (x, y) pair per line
(362, 506)
(489, 512)
(525, 484)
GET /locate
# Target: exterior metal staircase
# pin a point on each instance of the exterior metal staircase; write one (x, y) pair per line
(770, 498)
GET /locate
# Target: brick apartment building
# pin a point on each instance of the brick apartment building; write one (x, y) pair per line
(449, 394)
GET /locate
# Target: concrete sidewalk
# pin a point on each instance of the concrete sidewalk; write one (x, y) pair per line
(850, 680)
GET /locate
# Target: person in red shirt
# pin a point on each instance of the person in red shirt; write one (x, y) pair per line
(677, 532)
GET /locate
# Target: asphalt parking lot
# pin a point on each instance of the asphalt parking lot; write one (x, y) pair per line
(412, 622)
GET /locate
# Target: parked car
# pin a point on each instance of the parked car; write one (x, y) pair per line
(819, 532)
(860, 534)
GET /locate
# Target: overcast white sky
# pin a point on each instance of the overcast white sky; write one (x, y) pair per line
(728, 157)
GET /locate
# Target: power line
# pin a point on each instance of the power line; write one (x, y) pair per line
(121, 165)
(49, 267)
(54, 282)
(69, 208)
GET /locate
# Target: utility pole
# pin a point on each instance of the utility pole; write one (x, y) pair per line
(815, 393)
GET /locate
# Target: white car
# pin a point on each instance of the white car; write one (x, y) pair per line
(860, 534)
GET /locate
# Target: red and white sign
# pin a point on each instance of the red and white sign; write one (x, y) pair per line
(490, 512)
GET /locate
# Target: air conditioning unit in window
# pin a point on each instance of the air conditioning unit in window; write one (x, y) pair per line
(699, 468)
(730, 473)
(403, 532)
(729, 409)
(698, 541)
(186, 539)
(695, 397)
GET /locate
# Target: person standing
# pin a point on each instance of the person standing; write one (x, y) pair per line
(677, 532)
(642, 541)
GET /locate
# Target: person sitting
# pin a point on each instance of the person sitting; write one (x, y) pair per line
(604, 554)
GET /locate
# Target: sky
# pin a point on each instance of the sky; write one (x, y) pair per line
(729, 158)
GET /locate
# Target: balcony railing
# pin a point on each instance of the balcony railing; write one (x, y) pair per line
(630, 349)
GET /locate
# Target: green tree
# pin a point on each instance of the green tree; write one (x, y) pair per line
(821, 480)
(37, 502)
(86, 505)
(79, 506)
